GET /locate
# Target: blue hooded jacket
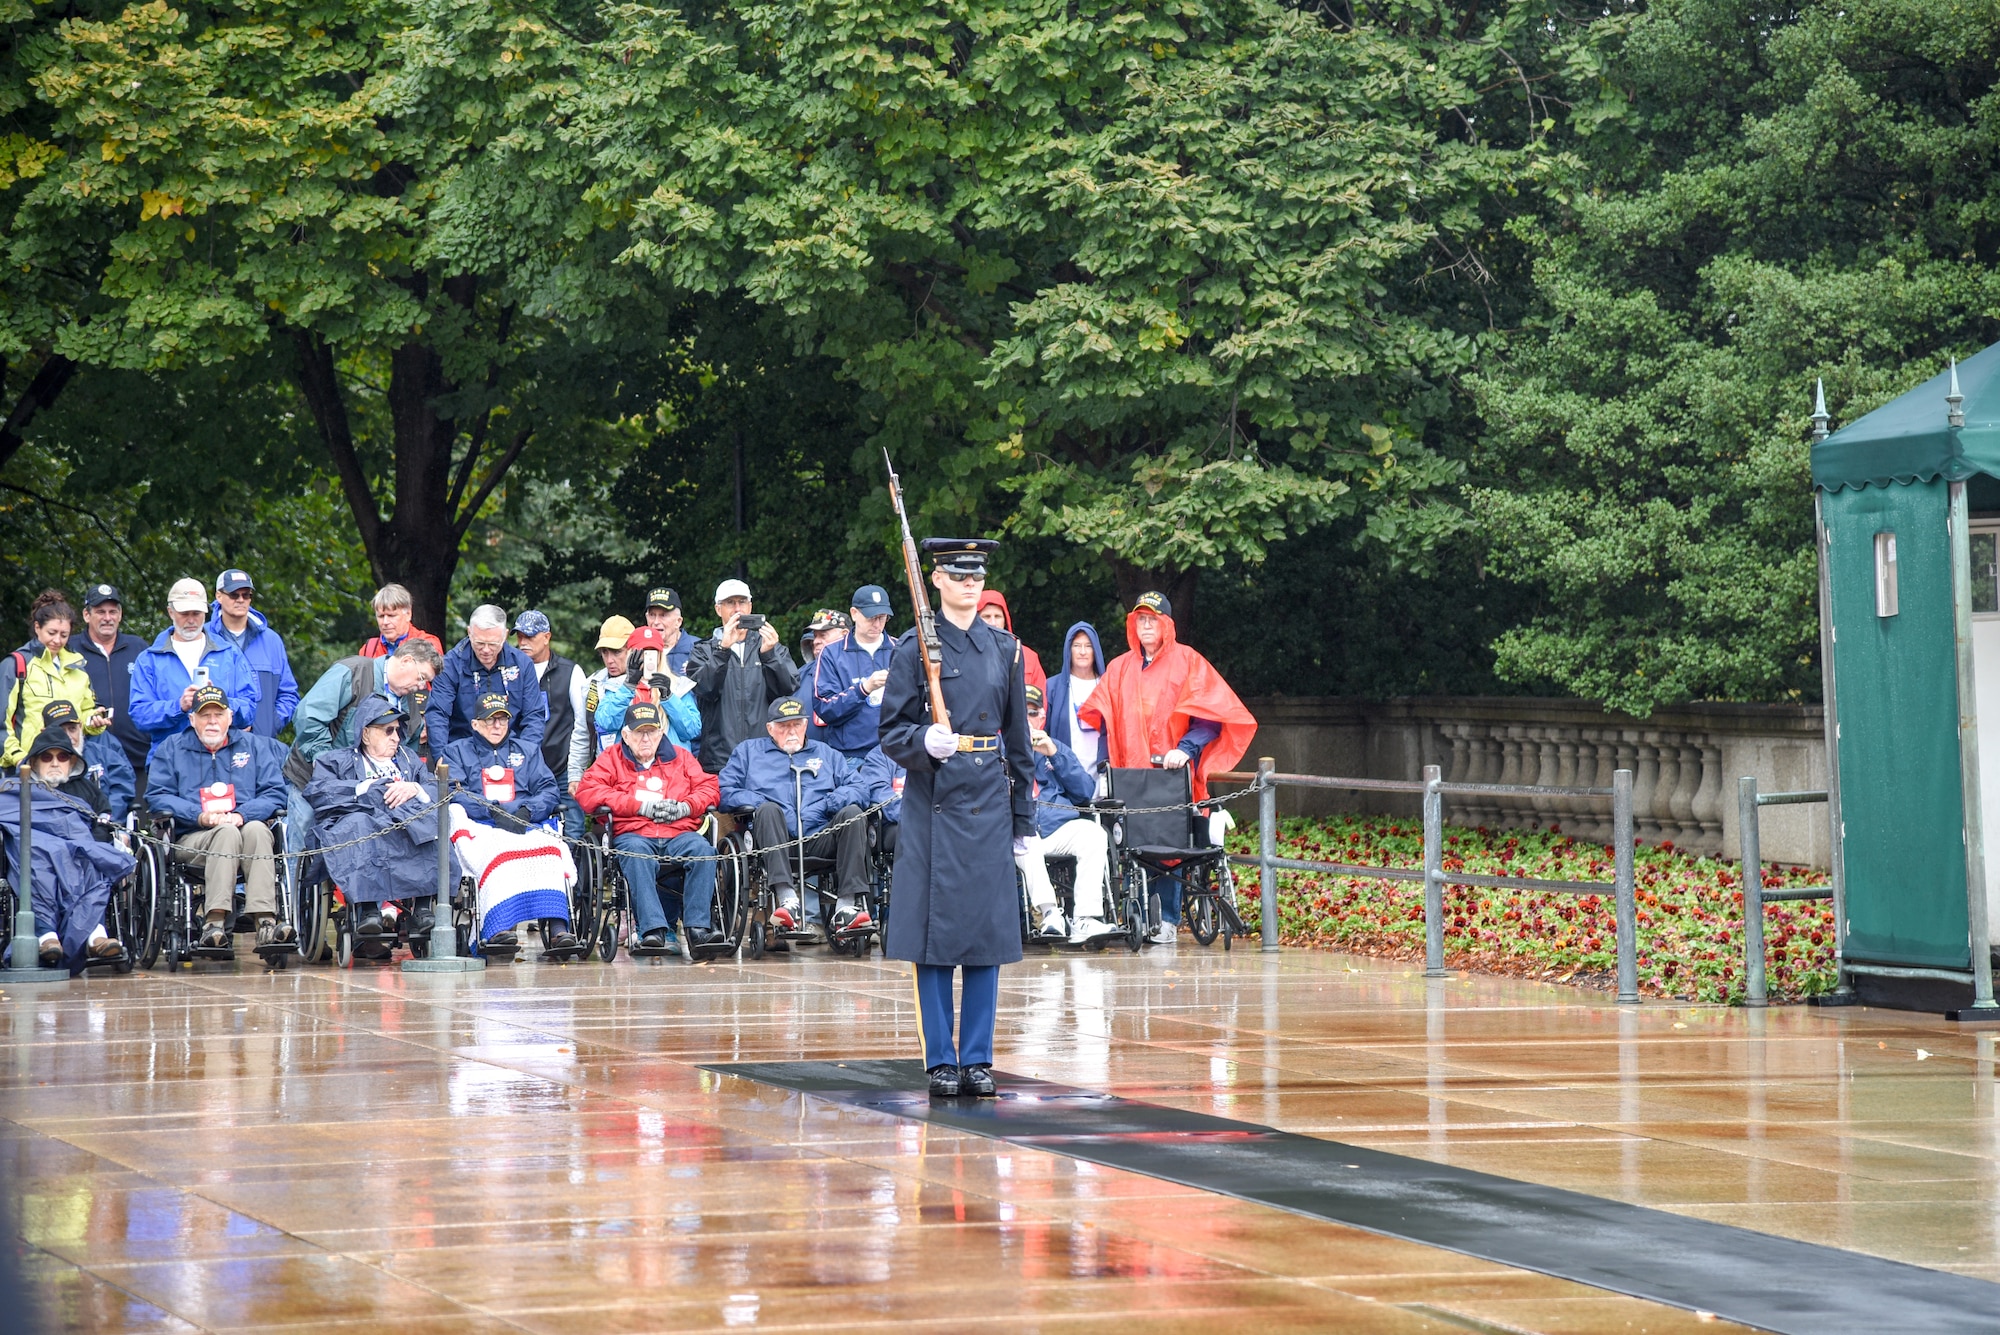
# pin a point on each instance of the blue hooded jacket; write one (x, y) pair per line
(182, 767)
(758, 772)
(535, 793)
(1058, 695)
(881, 780)
(455, 694)
(158, 678)
(264, 650)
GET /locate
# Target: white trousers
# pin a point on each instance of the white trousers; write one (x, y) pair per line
(1083, 840)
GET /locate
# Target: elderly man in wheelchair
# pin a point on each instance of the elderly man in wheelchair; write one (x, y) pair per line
(76, 870)
(797, 788)
(507, 841)
(222, 793)
(1065, 827)
(657, 794)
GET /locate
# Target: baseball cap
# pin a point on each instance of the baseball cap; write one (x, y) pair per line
(645, 637)
(785, 710)
(207, 696)
(645, 714)
(531, 622)
(1034, 697)
(187, 595)
(871, 600)
(491, 703)
(58, 712)
(102, 593)
(229, 581)
(663, 598)
(731, 588)
(1155, 603)
(613, 633)
(828, 619)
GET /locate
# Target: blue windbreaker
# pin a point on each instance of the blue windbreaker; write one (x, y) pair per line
(455, 694)
(535, 792)
(264, 650)
(1062, 785)
(758, 772)
(158, 678)
(683, 715)
(881, 781)
(105, 761)
(182, 767)
(848, 722)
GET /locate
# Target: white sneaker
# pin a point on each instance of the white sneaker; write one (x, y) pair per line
(1053, 926)
(1085, 930)
(1164, 934)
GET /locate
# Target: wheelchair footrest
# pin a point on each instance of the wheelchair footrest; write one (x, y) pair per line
(103, 961)
(500, 954)
(639, 950)
(212, 952)
(714, 950)
(563, 954)
(271, 950)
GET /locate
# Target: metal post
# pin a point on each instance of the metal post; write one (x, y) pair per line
(444, 956)
(1267, 850)
(1623, 888)
(27, 961)
(1433, 872)
(1978, 938)
(1753, 890)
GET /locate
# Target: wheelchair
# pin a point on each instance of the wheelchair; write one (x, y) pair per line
(601, 911)
(583, 924)
(1120, 901)
(169, 902)
(1151, 845)
(120, 922)
(744, 867)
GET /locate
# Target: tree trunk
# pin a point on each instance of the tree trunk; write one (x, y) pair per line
(1178, 585)
(54, 373)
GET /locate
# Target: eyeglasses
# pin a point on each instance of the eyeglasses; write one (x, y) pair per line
(244, 594)
(965, 579)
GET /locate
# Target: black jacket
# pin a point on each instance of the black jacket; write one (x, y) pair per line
(733, 695)
(111, 683)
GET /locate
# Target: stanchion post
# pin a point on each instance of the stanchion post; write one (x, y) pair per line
(1752, 841)
(27, 960)
(444, 956)
(1433, 872)
(1624, 888)
(1267, 851)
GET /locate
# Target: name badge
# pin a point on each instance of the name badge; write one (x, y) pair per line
(499, 782)
(649, 788)
(218, 799)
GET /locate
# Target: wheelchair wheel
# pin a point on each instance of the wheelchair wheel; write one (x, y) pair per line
(586, 900)
(149, 901)
(1135, 909)
(610, 919)
(343, 945)
(1201, 915)
(726, 910)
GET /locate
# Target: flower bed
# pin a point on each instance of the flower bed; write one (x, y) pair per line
(1690, 909)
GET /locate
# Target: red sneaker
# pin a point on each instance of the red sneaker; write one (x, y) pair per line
(781, 918)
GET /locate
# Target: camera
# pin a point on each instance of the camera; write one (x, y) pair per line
(750, 624)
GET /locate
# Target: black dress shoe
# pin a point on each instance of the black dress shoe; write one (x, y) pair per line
(368, 920)
(424, 919)
(977, 1082)
(655, 939)
(702, 936)
(944, 1082)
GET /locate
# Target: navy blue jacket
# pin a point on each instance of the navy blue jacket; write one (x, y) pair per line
(455, 694)
(264, 650)
(104, 760)
(536, 795)
(111, 682)
(881, 781)
(1062, 785)
(759, 772)
(1058, 692)
(182, 767)
(848, 723)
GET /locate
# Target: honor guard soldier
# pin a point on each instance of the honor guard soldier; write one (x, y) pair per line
(967, 803)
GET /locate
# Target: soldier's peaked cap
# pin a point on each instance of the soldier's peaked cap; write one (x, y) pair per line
(960, 556)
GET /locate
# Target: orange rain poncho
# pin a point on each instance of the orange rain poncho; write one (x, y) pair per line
(1144, 708)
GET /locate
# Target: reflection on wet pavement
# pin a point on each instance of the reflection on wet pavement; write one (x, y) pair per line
(534, 1149)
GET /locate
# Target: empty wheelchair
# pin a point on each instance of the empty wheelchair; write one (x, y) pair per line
(171, 897)
(1158, 848)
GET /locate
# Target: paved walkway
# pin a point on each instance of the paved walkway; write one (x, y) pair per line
(534, 1148)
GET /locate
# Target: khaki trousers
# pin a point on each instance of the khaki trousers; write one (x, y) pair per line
(218, 851)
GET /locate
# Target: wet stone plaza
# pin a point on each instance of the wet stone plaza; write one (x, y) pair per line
(544, 1148)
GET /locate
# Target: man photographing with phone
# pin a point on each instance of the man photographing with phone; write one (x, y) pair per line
(186, 657)
(737, 672)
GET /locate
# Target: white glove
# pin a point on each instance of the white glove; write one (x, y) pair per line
(1020, 848)
(1175, 759)
(941, 742)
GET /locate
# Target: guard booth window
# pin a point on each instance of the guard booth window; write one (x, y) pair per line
(1885, 574)
(1986, 570)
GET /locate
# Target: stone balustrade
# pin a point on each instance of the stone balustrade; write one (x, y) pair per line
(1685, 763)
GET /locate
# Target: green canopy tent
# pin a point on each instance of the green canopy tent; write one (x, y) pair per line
(1908, 509)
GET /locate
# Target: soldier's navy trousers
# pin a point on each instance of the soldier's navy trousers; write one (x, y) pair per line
(978, 1007)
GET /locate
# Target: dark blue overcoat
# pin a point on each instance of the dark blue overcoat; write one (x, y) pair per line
(396, 863)
(954, 899)
(74, 873)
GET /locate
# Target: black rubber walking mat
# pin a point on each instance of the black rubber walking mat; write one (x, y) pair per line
(1756, 1279)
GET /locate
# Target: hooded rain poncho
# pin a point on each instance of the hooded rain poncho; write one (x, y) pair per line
(400, 860)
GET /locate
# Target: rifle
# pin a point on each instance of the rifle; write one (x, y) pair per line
(927, 634)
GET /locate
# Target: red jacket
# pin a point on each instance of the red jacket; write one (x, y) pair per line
(374, 648)
(614, 780)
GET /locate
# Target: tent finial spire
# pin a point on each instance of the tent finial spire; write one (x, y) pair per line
(1820, 420)
(1954, 402)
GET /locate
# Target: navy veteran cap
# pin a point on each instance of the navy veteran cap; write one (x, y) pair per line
(207, 696)
(1034, 697)
(491, 705)
(645, 714)
(58, 712)
(785, 710)
(663, 598)
(1156, 603)
(102, 593)
(960, 556)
